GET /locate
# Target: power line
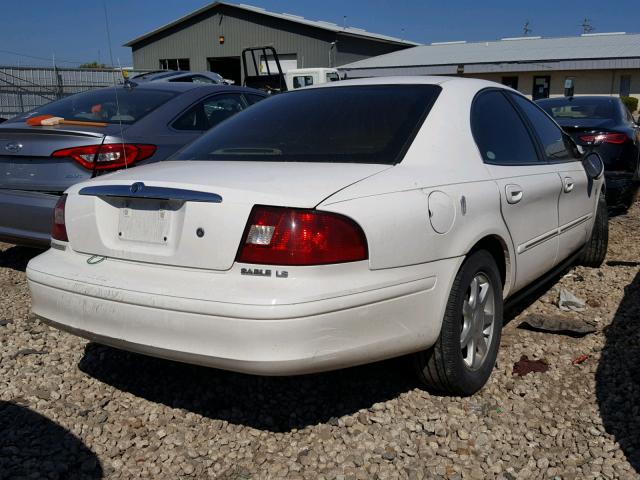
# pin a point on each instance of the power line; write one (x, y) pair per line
(60, 60)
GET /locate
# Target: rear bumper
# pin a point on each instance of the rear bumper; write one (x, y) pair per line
(280, 335)
(25, 217)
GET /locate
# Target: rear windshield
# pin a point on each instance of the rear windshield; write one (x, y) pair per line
(128, 106)
(354, 124)
(577, 108)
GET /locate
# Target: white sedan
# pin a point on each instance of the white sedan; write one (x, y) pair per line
(330, 227)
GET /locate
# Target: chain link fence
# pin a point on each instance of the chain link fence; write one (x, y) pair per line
(25, 88)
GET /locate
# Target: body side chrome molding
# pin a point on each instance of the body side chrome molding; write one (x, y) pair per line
(140, 190)
(575, 223)
(552, 233)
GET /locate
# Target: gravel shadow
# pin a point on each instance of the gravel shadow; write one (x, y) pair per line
(618, 375)
(277, 404)
(16, 258)
(32, 446)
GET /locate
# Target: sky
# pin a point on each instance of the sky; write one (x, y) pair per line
(33, 32)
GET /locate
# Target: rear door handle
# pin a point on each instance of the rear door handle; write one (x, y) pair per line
(568, 184)
(514, 193)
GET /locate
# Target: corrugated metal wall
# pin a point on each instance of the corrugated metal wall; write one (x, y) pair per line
(25, 88)
(197, 40)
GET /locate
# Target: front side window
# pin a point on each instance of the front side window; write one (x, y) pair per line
(354, 124)
(209, 112)
(500, 134)
(554, 142)
(109, 105)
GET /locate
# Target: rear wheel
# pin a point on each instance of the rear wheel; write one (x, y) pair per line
(462, 359)
(595, 250)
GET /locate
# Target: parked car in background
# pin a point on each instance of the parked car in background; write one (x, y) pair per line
(210, 78)
(291, 239)
(603, 124)
(144, 124)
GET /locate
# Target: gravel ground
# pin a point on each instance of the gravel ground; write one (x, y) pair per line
(72, 409)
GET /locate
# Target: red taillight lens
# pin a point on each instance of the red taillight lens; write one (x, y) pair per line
(59, 229)
(288, 236)
(107, 156)
(600, 138)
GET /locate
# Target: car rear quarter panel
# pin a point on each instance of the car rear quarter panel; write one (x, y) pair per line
(394, 209)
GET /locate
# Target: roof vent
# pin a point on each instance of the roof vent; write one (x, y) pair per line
(299, 17)
(520, 38)
(252, 7)
(601, 34)
(456, 42)
(330, 24)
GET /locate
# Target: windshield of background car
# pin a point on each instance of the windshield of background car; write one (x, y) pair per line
(103, 106)
(578, 108)
(352, 124)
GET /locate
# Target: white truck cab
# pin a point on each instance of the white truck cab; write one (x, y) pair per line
(305, 77)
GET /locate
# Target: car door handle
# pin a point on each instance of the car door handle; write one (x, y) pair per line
(568, 184)
(514, 193)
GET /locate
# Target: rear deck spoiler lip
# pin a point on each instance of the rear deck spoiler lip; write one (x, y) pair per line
(140, 190)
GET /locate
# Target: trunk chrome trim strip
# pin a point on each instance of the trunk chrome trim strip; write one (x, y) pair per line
(140, 190)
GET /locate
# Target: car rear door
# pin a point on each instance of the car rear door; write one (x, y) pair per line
(576, 204)
(529, 187)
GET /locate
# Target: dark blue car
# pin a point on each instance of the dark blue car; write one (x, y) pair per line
(144, 123)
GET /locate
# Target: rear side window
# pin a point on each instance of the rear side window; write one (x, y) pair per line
(252, 98)
(302, 81)
(354, 124)
(110, 105)
(579, 108)
(554, 143)
(196, 79)
(499, 131)
(208, 113)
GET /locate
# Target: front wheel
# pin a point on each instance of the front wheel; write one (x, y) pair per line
(595, 250)
(462, 359)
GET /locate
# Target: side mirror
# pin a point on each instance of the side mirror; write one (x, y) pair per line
(593, 165)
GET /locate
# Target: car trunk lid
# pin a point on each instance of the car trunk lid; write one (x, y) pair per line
(193, 214)
(25, 156)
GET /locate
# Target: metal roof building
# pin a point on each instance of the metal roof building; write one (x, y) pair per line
(600, 63)
(212, 38)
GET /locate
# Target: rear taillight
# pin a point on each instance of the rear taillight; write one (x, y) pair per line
(107, 156)
(600, 138)
(289, 236)
(59, 229)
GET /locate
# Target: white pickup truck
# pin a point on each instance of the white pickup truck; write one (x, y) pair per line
(305, 77)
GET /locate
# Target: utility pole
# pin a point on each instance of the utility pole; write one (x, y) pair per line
(586, 26)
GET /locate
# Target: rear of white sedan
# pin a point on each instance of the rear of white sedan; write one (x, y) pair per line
(293, 238)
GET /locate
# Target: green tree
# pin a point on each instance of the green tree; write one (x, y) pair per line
(630, 102)
(93, 65)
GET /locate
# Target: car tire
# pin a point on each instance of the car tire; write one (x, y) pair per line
(449, 366)
(595, 250)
